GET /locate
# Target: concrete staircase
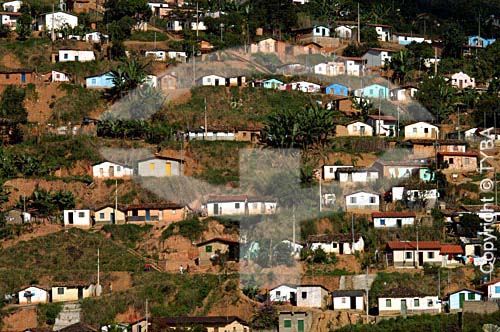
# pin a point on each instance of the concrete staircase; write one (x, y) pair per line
(69, 315)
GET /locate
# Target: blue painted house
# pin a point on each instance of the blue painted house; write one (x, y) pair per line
(102, 81)
(456, 299)
(272, 84)
(376, 91)
(478, 41)
(337, 89)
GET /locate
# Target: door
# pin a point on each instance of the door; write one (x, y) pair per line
(341, 248)
(112, 217)
(23, 78)
(420, 259)
(168, 169)
(111, 171)
(353, 302)
(477, 250)
(461, 299)
(399, 223)
(216, 209)
(70, 218)
(403, 307)
(362, 130)
(300, 325)
(148, 215)
(293, 298)
(216, 82)
(80, 293)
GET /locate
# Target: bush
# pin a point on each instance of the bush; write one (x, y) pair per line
(48, 312)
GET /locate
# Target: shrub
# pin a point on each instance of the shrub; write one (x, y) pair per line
(48, 312)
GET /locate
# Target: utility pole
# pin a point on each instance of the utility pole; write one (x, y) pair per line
(398, 122)
(320, 196)
(197, 22)
(417, 249)
(154, 47)
(52, 32)
(435, 61)
(147, 316)
(98, 275)
(439, 283)
(352, 230)
(116, 201)
(367, 294)
(194, 67)
(206, 128)
(359, 28)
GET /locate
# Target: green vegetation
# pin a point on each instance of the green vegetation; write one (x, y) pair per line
(168, 296)
(127, 234)
(69, 250)
(48, 312)
(75, 105)
(148, 36)
(191, 229)
(47, 203)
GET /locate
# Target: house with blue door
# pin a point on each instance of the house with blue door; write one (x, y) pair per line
(456, 299)
(478, 41)
(17, 76)
(272, 84)
(376, 91)
(101, 81)
(337, 89)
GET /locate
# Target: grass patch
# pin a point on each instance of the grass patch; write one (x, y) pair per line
(128, 234)
(148, 36)
(191, 229)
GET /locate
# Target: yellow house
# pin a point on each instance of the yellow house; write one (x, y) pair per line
(211, 324)
(63, 292)
(156, 212)
(106, 215)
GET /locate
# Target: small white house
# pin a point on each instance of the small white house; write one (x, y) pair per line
(393, 219)
(283, 293)
(79, 218)
(354, 66)
(32, 295)
(306, 86)
(456, 299)
(384, 125)
(226, 205)
(358, 128)
(404, 93)
(312, 296)
(344, 31)
(213, 80)
(95, 37)
(339, 244)
(406, 301)
(383, 31)
(357, 175)
(421, 130)
(59, 76)
(409, 254)
(57, 20)
(107, 169)
(9, 19)
(76, 55)
(261, 205)
(362, 200)
(462, 81)
(348, 300)
(330, 171)
(492, 289)
(12, 6)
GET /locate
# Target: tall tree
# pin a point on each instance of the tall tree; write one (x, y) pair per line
(12, 104)
(437, 96)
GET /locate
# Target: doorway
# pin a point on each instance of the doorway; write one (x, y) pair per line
(111, 171)
(353, 302)
(420, 259)
(404, 309)
(300, 325)
(70, 218)
(216, 209)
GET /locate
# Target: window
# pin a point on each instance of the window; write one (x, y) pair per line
(151, 166)
(278, 293)
(467, 161)
(118, 168)
(371, 92)
(353, 200)
(60, 290)
(382, 222)
(497, 289)
(471, 296)
(94, 81)
(450, 161)
(372, 200)
(416, 303)
(287, 323)
(236, 205)
(414, 130)
(65, 56)
(81, 214)
(335, 245)
(208, 249)
(426, 130)
(429, 303)
(102, 215)
(7, 76)
(331, 169)
(255, 205)
(388, 303)
(430, 255)
(304, 295)
(408, 255)
(344, 300)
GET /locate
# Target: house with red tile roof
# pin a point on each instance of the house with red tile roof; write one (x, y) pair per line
(413, 254)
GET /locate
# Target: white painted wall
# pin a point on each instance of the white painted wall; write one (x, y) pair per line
(102, 170)
(392, 221)
(38, 295)
(76, 55)
(422, 130)
(425, 303)
(344, 303)
(282, 293)
(80, 218)
(311, 296)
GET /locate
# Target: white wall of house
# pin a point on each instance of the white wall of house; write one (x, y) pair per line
(344, 303)
(282, 293)
(354, 68)
(462, 81)
(359, 176)
(362, 200)
(225, 208)
(334, 247)
(413, 304)
(157, 55)
(386, 222)
(57, 76)
(262, 207)
(57, 20)
(311, 296)
(38, 295)
(111, 170)
(12, 6)
(421, 130)
(409, 257)
(493, 291)
(77, 218)
(213, 80)
(359, 128)
(343, 32)
(76, 55)
(329, 171)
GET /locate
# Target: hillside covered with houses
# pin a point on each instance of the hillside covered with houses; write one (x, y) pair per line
(268, 165)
